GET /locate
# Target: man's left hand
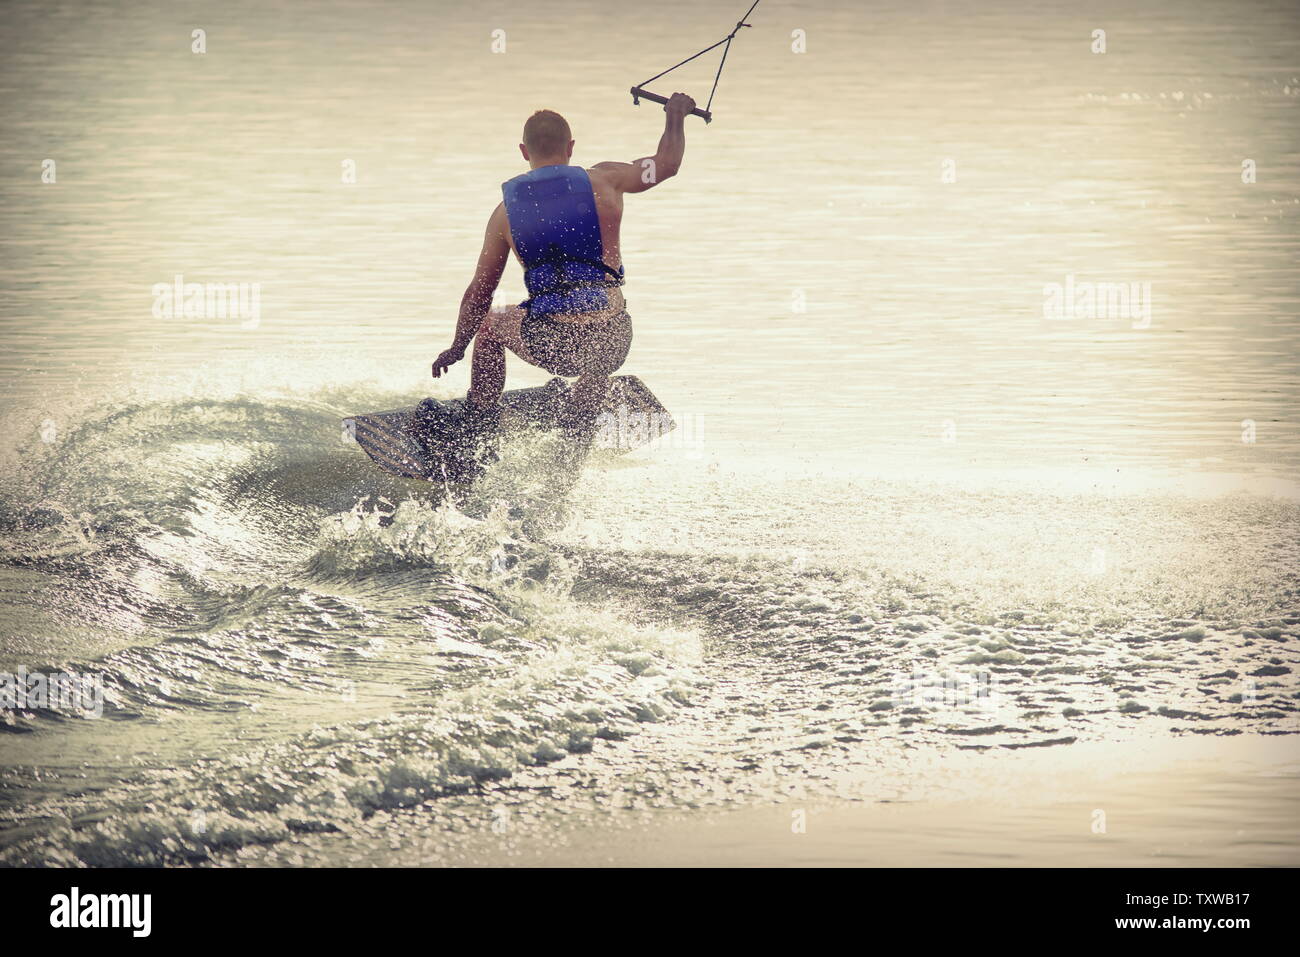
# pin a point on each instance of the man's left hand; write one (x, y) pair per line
(448, 359)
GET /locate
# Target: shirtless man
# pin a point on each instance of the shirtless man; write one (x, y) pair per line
(574, 322)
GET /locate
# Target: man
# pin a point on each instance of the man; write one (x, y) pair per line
(562, 222)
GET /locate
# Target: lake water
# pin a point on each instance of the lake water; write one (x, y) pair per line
(910, 510)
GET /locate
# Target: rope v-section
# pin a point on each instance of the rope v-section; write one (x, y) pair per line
(639, 92)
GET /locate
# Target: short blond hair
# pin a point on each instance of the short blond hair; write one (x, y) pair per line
(547, 134)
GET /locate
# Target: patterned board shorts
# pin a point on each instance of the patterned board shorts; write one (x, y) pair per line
(578, 348)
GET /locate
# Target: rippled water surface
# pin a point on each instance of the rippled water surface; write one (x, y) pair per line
(909, 521)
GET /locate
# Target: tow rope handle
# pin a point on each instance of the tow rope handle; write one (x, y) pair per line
(639, 94)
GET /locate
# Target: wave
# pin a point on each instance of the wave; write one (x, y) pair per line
(390, 644)
(291, 643)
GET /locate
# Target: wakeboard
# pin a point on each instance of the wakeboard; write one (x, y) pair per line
(430, 441)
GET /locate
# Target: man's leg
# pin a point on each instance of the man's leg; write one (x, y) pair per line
(487, 379)
(587, 395)
(602, 355)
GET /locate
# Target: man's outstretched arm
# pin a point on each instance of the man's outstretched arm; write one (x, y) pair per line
(476, 302)
(638, 176)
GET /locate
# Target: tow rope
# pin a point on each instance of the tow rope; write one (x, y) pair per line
(639, 92)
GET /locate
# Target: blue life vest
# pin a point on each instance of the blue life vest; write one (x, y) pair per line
(553, 222)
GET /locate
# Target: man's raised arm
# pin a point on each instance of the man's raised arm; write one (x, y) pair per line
(649, 171)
